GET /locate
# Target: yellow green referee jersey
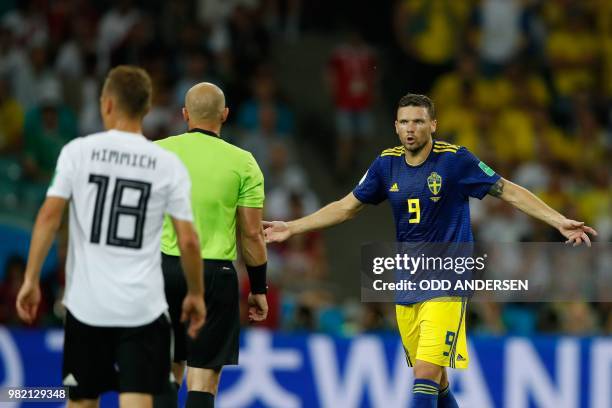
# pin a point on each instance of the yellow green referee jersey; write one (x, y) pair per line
(223, 177)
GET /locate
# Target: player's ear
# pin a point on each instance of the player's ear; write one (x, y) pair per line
(185, 114)
(108, 105)
(224, 115)
(434, 125)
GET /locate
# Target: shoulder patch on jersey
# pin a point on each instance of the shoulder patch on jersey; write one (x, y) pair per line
(394, 151)
(486, 169)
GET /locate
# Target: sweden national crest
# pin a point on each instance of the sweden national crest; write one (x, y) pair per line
(434, 182)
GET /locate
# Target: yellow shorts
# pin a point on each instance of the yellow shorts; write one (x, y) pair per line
(434, 331)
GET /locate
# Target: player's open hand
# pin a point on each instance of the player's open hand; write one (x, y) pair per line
(576, 232)
(28, 300)
(258, 307)
(276, 231)
(194, 311)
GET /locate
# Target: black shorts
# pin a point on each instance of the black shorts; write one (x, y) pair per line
(217, 343)
(124, 359)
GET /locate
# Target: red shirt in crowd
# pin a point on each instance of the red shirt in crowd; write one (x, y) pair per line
(352, 71)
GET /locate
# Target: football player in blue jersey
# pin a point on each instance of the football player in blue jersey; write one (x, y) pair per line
(428, 184)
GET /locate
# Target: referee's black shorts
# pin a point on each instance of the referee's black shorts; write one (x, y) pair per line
(217, 343)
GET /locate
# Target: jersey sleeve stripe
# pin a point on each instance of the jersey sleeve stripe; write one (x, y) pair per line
(444, 150)
(394, 151)
(447, 146)
(398, 148)
(440, 142)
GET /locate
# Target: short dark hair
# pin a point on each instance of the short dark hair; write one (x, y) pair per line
(132, 87)
(418, 100)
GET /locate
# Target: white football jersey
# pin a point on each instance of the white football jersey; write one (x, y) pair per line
(119, 185)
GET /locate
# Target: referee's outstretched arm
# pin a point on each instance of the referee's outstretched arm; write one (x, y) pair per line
(253, 247)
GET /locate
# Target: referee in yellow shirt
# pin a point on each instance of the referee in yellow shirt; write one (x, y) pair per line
(227, 195)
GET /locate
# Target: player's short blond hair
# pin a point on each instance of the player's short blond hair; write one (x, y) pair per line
(132, 88)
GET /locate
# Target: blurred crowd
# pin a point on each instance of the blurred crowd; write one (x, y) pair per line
(524, 84)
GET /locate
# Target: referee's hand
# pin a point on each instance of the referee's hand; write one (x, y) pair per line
(194, 311)
(258, 307)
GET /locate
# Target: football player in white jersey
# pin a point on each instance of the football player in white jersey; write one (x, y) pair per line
(119, 185)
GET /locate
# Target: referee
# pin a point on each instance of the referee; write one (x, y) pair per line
(227, 196)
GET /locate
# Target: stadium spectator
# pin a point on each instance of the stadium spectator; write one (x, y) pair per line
(249, 42)
(286, 177)
(265, 97)
(70, 62)
(114, 28)
(48, 126)
(449, 87)
(89, 112)
(163, 118)
(303, 256)
(177, 15)
(265, 141)
(352, 78)
(27, 23)
(282, 18)
(10, 54)
(577, 318)
(500, 32)
(572, 50)
(11, 120)
(429, 33)
(196, 67)
(32, 74)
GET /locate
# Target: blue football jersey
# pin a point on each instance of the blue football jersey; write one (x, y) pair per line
(429, 201)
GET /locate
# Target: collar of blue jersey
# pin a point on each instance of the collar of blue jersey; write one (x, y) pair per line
(206, 132)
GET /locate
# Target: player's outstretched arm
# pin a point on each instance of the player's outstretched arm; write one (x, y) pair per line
(47, 223)
(332, 214)
(574, 231)
(194, 308)
(255, 256)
